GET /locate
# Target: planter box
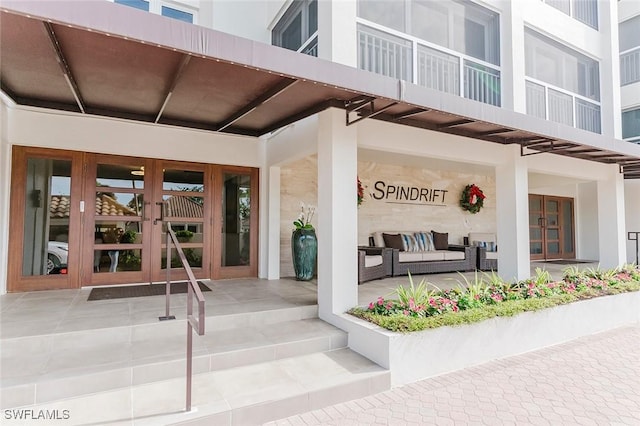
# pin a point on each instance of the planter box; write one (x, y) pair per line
(428, 353)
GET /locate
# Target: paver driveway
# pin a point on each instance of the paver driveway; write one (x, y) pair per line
(593, 380)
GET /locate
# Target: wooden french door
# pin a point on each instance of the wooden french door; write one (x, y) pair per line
(92, 219)
(551, 227)
(45, 219)
(135, 200)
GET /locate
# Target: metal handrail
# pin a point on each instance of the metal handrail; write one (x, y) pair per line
(193, 323)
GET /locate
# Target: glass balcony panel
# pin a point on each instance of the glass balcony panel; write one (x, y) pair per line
(586, 11)
(560, 107)
(481, 83)
(438, 70)
(630, 67)
(384, 54)
(562, 5)
(587, 116)
(536, 100)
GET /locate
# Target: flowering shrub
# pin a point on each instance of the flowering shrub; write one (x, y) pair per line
(488, 295)
(360, 192)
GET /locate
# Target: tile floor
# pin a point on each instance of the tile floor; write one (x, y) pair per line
(60, 311)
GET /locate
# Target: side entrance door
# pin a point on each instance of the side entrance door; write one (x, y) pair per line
(551, 227)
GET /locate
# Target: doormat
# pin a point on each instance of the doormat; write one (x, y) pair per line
(567, 261)
(120, 292)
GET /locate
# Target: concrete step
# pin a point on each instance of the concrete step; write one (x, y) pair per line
(46, 368)
(247, 395)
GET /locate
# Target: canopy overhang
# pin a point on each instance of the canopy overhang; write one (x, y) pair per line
(100, 58)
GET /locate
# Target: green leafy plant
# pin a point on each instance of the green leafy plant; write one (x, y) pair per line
(487, 296)
(184, 233)
(419, 294)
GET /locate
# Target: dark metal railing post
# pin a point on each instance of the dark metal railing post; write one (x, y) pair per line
(193, 289)
(167, 315)
(189, 345)
(635, 234)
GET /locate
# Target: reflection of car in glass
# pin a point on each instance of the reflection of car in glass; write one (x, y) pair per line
(57, 257)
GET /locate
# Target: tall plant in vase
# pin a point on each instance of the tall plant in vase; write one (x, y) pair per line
(304, 244)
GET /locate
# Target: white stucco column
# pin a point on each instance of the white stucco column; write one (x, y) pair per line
(611, 225)
(337, 38)
(273, 238)
(512, 214)
(337, 213)
(5, 185)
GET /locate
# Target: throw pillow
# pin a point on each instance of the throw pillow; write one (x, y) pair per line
(430, 244)
(441, 240)
(421, 238)
(409, 242)
(393, 241)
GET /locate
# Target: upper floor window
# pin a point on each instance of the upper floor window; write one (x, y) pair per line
(629, 36)
(180, 15)
(461, 26)
(172, 10)
(585, 11)
(138, 4)
(631, 125)
(297, 29)
(551, 62)
(562, 85)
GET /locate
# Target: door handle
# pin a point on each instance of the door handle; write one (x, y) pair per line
(161, 218)
(144, 210)
(541, 222)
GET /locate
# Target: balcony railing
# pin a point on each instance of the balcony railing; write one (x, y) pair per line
(585, 11)
(310, 47)
(563, 107)
(630, 66)
(388, 55)
(413, 60)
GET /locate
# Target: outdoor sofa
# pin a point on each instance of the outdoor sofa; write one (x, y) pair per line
(373, 263)
(422, 252)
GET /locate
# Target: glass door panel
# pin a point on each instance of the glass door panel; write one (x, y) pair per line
(186, 204)
(118, 203)
(236, 226)
(536, 227)
(47, 210)
(238, 209)
(44, 245)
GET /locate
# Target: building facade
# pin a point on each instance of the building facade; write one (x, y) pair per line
(519, 97)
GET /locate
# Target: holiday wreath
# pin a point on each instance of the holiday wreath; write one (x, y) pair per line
(472, 198)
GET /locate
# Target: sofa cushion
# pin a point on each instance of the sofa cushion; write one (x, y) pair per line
(374, 260)
(440, 240)
(453, 255)
(410, 256)
(433, 255)
(492, 255)
(393, 241)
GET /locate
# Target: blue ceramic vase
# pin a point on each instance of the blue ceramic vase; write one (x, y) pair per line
(304, 248)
